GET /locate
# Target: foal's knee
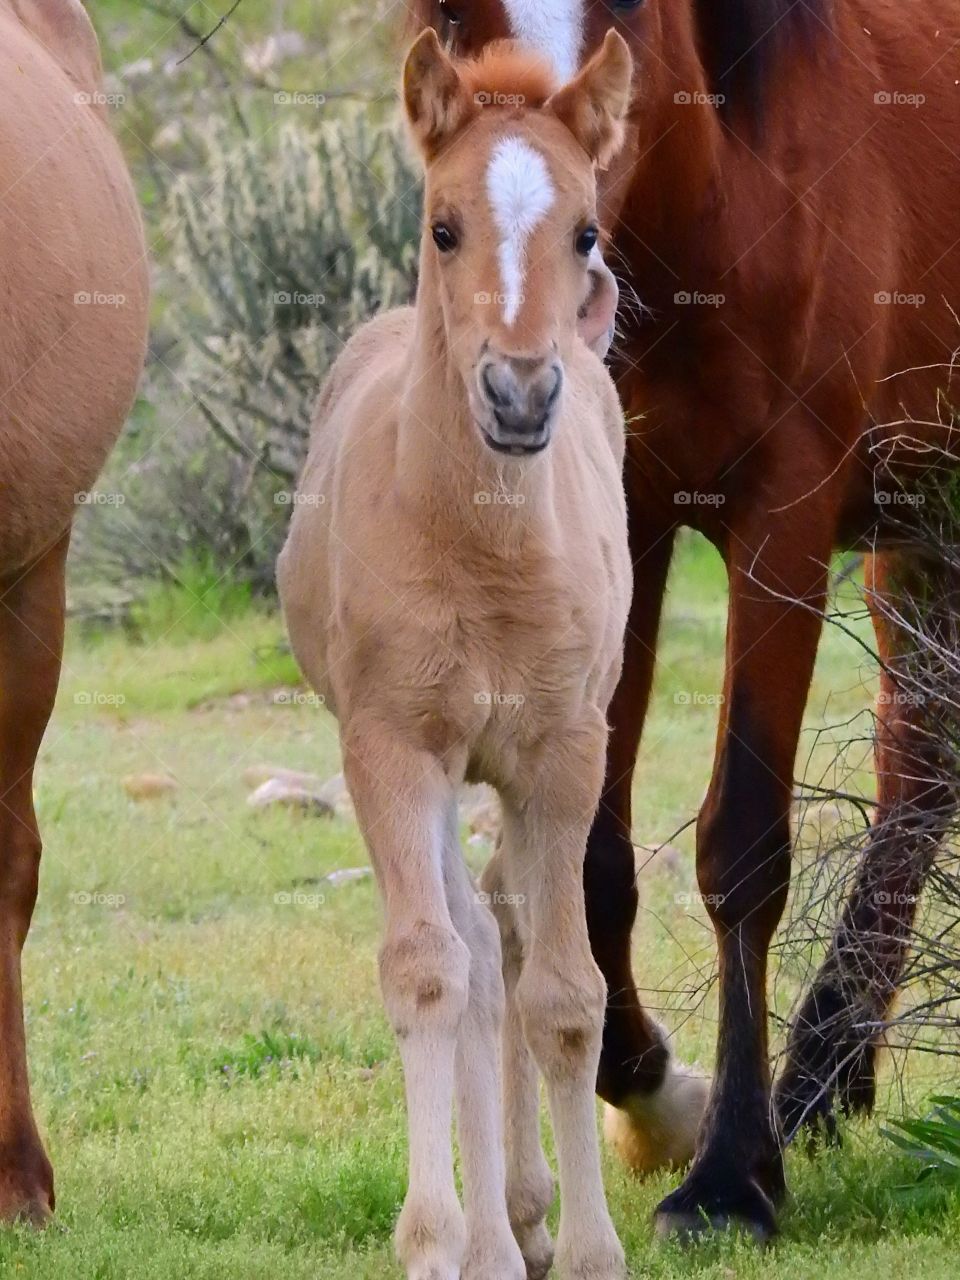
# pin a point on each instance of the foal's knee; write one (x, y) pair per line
(562, 1017)
(425, 978)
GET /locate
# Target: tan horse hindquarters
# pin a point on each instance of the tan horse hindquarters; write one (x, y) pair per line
(73, 279)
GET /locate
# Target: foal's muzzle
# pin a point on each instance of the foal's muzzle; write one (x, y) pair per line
(520, 395)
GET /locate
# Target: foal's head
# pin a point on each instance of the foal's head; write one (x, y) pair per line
(511, 220)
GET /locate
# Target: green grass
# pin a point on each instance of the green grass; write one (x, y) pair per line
(212, 1071)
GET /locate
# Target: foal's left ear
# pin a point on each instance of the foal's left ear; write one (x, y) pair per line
(594, 104)
(436, 100)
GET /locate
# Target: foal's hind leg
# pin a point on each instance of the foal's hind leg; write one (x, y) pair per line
(529, 1180)
(31, 646)
(829, 1058)
(492, 1252)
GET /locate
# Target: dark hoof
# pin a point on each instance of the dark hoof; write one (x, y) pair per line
(694, 1210)
(26, 1187)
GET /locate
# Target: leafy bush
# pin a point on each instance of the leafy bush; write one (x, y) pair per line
(293, 240)
(279, 249)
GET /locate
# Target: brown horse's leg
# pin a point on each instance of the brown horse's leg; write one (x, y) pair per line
(31, 645)
(829, 1056)
(743, 863)
(634, 1059)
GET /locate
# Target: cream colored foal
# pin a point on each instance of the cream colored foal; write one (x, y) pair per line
(456, 584)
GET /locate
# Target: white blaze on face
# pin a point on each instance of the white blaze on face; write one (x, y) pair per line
(521, 193)
(552, 27)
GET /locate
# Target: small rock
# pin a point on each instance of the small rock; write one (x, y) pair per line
(258, 774)
(148, 786)
(345, 874)
(277, 792)
(651, 857)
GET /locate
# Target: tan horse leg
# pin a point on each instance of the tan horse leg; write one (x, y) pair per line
(31, 648)
(560, 993)
(492, 1252)
(403, 801)
(529, 1180)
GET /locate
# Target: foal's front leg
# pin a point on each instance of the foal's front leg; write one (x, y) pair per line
(402, 797)
(560, 994)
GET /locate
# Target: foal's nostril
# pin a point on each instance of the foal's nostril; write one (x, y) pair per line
(496, 397)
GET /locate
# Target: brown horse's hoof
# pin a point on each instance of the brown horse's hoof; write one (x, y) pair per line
(26, 1188)
(734, 1204)
(659, 1130)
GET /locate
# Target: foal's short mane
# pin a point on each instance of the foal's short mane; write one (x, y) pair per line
(504, 73)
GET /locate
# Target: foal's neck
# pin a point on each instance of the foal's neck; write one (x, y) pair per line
(453, 484)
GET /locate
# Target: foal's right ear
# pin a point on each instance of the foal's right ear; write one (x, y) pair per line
(436, 100)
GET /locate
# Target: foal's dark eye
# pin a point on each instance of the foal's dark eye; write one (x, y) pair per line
(586, 241)
(624, 6)
(444, 237)
(450, 14)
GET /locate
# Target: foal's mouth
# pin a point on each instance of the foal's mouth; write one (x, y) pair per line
(514, 450)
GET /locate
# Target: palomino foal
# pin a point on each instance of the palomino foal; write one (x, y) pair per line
(456, 584)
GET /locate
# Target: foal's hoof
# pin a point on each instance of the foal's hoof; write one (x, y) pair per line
(659, 1130)
(537, 1249)
(691, 1212)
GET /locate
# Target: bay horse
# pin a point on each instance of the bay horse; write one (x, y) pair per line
(74, 285)
(455, 583)
(785, 209)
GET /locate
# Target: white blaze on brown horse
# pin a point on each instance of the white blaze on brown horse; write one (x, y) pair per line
(73, 277)
(455, 583)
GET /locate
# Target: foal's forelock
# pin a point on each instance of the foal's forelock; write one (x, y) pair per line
(551, 27)
(521, 194)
